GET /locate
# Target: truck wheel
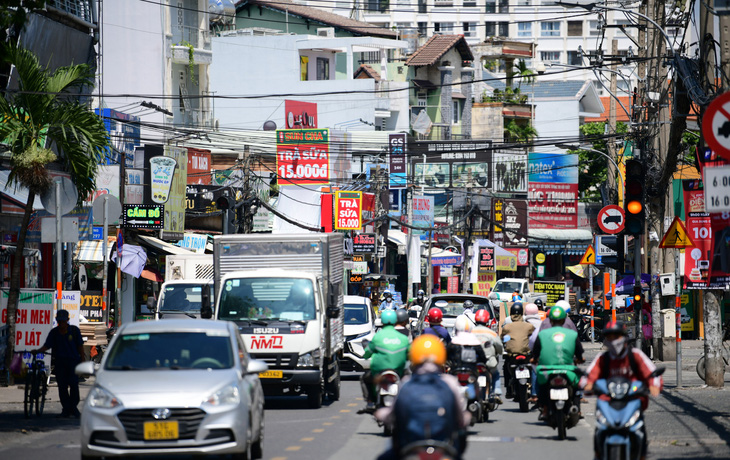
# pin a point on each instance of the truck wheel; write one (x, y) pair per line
(314, 397)
(333, 388)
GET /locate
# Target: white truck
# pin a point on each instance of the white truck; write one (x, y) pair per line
(505, 287)
(284, 292)
(181, 294)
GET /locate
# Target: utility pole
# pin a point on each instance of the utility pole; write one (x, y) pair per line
(610, 143)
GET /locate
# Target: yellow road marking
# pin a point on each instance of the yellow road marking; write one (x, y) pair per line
(318, 430)
(279, 458)
(328, 423)
(352, 405)
(335, 416)
(307, 439)
(345, 410)
(293, 448)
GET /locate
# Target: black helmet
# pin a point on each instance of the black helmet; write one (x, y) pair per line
(615, 327)
(516, 309)
(468, 304)
(538, 302)
(401, 315)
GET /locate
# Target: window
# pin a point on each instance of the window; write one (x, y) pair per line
(503, 29)
(443, 3)
(468, 3)
(304, 67)
(575, 58)
(552, 57)
(524, 29)
(593, 28)
(376, 5)
(323, 68)
(470, 29)
(443, 27)
(422, 6)
(575, 28)
(524, 2)
(550, 29)
(422, 99)
(491, 29)
(422, 28)
(490, 7)
(504, 6)
(403, 25)
(370, 57)
(457, 111)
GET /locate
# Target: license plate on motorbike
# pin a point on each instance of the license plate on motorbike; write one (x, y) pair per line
(482, 380)
(522, 374)
(559, 394)
(391, 390)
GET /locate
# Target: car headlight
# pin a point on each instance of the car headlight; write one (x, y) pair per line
(600, 418)
(633, 419)
(310, 359)
(229, 394)
(103, 399)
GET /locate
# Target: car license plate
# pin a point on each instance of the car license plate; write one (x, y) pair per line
(559, 394)
(482, 380)
(522, 374)
(154, 431)
(271, 374)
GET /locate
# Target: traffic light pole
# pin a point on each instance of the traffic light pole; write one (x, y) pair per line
(677, 305)
(637, 282)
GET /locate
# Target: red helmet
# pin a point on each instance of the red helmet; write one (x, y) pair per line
(435, 316)
(482, 316)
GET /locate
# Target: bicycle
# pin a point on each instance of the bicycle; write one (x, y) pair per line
(36, 385)
(700, 368)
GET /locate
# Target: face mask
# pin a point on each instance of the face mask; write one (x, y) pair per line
(616, 347)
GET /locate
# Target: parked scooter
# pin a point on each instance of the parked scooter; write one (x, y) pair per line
(620, 430)
(388, 384)
(563, 402)
(521, 370)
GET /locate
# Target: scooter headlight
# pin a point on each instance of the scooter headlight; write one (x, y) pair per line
(600, 418)
(634, 418)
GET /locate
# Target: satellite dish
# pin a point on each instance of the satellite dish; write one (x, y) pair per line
(69, 196)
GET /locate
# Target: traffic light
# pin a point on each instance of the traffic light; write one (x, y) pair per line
(228, 205)
(614, 243)
(634, 197)
(637, 295)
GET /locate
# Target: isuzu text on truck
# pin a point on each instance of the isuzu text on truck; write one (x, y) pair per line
(285, 294)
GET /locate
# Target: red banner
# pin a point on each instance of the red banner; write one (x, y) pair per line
(553, 205)
(348, 210)
(199, 167)
(453, 285)
(302, 156)
(300, 115)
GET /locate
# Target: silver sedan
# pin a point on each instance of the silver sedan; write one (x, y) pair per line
(174, 387)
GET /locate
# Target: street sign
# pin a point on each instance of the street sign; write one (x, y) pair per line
(676, 236)
(716, 125)
(611, 219)
(114, 208)
(603, 250)
(97, 233)
(589, 258)
(717, 188)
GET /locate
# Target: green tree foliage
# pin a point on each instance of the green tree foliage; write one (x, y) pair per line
(41, 118)
(593, 168)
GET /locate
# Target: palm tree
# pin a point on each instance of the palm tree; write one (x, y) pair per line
(41, 114)
(525, 73)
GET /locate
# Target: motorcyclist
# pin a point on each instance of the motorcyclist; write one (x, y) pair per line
(427, 356)
(493, 349)
(556, 346)
(387, 303)
(532, 315)
(469, 310)
(541, 308)
(621, 359)
(389, 351)
(516, 336)
(435, 317)
(419, 301)
(565, 305)
(465, 349)
(401, 324)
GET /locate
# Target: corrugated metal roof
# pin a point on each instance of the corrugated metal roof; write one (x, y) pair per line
(554, 89)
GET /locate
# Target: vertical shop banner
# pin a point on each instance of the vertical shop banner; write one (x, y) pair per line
(485, 283)
(686, 311)
(486, 259)
(397, 153)
(34, 318)
(300, 115)
(452, 286)
(510, 223)
(199, 167)
(553, 190)
(91, 308)
(302, 156)
(175, 207)
(348, 210)
(422, 213)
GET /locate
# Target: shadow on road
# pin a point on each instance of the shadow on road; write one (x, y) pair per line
(290, 402)
(12, 421)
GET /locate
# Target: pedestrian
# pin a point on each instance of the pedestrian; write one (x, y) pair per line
(68, 351)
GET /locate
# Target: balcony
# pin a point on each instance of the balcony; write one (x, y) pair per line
(187, 40)
(80, 9)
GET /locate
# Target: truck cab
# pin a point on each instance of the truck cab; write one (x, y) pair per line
(505, 287)
(181, 299)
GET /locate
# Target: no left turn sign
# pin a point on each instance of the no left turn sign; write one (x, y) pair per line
(716, 125)
(611, 219)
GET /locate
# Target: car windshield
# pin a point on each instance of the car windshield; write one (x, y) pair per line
(507, 286)
(181, 297)
(267, 299)
(171, 350)
(456, 307)
(356, 313)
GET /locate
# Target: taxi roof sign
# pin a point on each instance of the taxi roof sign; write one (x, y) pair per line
(589, 258)
(676, 237)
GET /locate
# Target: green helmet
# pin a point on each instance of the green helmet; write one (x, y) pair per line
(389, 317)
(557, 313)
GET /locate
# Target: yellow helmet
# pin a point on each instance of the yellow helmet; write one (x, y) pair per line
(427, 348)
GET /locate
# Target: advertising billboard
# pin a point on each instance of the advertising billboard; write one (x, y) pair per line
(303, 156)
(553, 190)
(300, 115)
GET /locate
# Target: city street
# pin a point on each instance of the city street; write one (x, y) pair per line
(692, 422)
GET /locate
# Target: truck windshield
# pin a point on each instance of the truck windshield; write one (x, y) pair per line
(181, 297)
(507, 286)
(284, 299)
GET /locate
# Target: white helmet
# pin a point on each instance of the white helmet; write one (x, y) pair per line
(462, 324)
(564, 304)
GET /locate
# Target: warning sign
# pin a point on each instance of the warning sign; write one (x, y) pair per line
(589, 258)
(676, 236)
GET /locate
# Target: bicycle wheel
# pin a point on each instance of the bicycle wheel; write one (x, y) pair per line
(701, 367)
(27, 396)
(42, 390)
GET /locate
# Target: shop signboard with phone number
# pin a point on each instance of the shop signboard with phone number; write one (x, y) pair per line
(303, 156)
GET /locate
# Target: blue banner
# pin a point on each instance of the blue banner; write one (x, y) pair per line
(556, 168)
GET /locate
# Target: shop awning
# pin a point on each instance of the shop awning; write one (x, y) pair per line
(7, 250)
(397, 237)
(93, 251)
(378, 276)
(163, 246)
(551, 235)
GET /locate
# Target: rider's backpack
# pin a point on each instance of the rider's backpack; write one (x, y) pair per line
(425, 409)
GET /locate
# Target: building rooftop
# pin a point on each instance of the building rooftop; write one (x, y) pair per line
(366, 71)
(436, 47)
(569, 89)
(323, 17)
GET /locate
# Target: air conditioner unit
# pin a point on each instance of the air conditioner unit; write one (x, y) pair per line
(328, 32)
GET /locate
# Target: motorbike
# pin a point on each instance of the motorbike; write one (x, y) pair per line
(563, 404)
(387, 386)
(521, 381)
(428, 450)
(469, 381)
(489, 404)
(620, 431)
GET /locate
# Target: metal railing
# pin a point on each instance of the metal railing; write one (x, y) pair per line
(79, 8)
(198, 38)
